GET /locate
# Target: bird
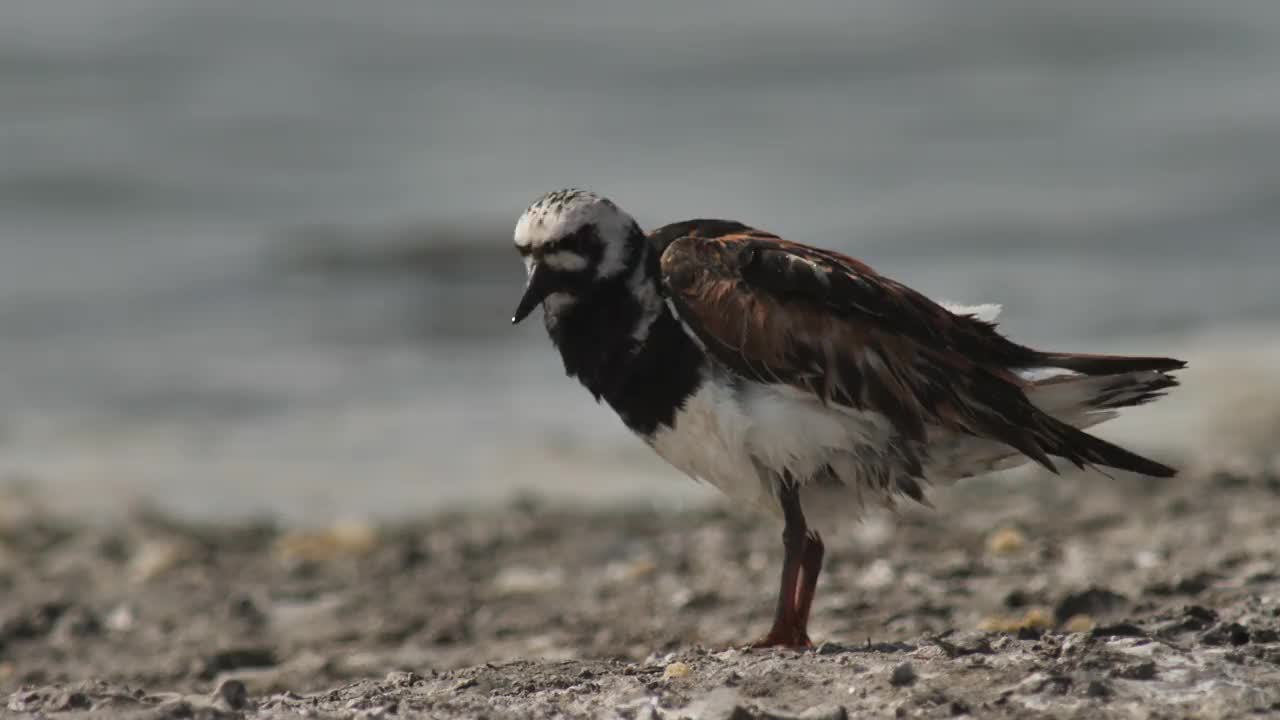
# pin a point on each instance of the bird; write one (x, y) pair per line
(799, 381)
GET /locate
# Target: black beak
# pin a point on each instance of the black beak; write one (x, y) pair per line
(535, 292)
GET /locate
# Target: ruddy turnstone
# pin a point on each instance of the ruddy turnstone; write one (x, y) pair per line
(800, 380)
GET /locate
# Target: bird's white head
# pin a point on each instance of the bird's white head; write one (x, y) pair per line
(572, 240)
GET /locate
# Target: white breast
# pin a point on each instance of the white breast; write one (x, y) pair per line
(742, 440)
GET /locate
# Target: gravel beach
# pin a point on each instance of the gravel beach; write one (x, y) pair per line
(1024, 596)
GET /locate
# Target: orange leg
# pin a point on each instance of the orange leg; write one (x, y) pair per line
(802, 561)
(810, 567)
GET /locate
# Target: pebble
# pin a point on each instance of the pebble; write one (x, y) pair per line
(1006, 541)
(675, 671)
(1033, 619)
(879, 574)
(402, 678)
(823, 712)
(231, 694)
(522, 580)
(120, 619)
(903, 675)
(156, 557)
(1079, 624)
(341, 540)
(1093, 602)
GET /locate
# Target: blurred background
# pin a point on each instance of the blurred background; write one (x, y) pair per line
(255, 254)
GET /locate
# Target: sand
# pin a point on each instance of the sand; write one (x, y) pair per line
(1079, 596)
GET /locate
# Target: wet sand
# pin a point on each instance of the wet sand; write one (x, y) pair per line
(1032, 596)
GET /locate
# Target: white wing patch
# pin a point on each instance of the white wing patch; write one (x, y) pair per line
(986, 312)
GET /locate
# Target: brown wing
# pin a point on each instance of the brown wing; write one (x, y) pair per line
(774, 311)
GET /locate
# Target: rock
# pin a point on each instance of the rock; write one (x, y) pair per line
(68, 700)
(1046, 683)
(400, 678)
(1227, 633)
(903, 675)
(120, 619)
(341, 540)
(1117, 630)
(1079, 624)
(74, 624)
(31, 622)
(823, 712)
(1265, 635)
(521, 580)
(231, 695)
(675, 671)
(965, 644)
(1006, 541)
(1094, 602)
(1139, 671)
(158, 556)
(719, 704)
(1192, 586)
(879, 574)
(1194, 619)
(1033, 619)
(209, 666)
(1098, 689)
(1017, 599)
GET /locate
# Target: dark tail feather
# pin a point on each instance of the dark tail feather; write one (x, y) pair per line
(1108, 364)
(1084, 449)
(1131, 390)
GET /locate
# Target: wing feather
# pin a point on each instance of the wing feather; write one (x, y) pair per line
(780, 312)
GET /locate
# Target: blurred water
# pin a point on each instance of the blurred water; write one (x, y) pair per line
(1108, 170)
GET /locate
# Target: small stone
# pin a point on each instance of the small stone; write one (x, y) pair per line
(1017, 599)
(1117, 630)
(1227, 633)
(647, 712)
(1195, 618)
(235, 658)
(1098, 689)
(675, 671)
(68, 700)
(626, 572)
(824, 712)
(1095, 601)
(1139, 671)
(231, 694)
(120, 619)
(76, 622)
(1079, 624)
(522, 580)
(1147, 560)
(1266, 635)
(156, 557)
(879, 574)
(1035, 618)
(1006, 541)
(347, 539)
(903, 675)
(401, 678)
(718, 704)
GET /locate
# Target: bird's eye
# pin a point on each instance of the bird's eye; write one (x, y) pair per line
(577, 241)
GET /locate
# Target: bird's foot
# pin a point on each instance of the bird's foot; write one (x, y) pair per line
(790, 637)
